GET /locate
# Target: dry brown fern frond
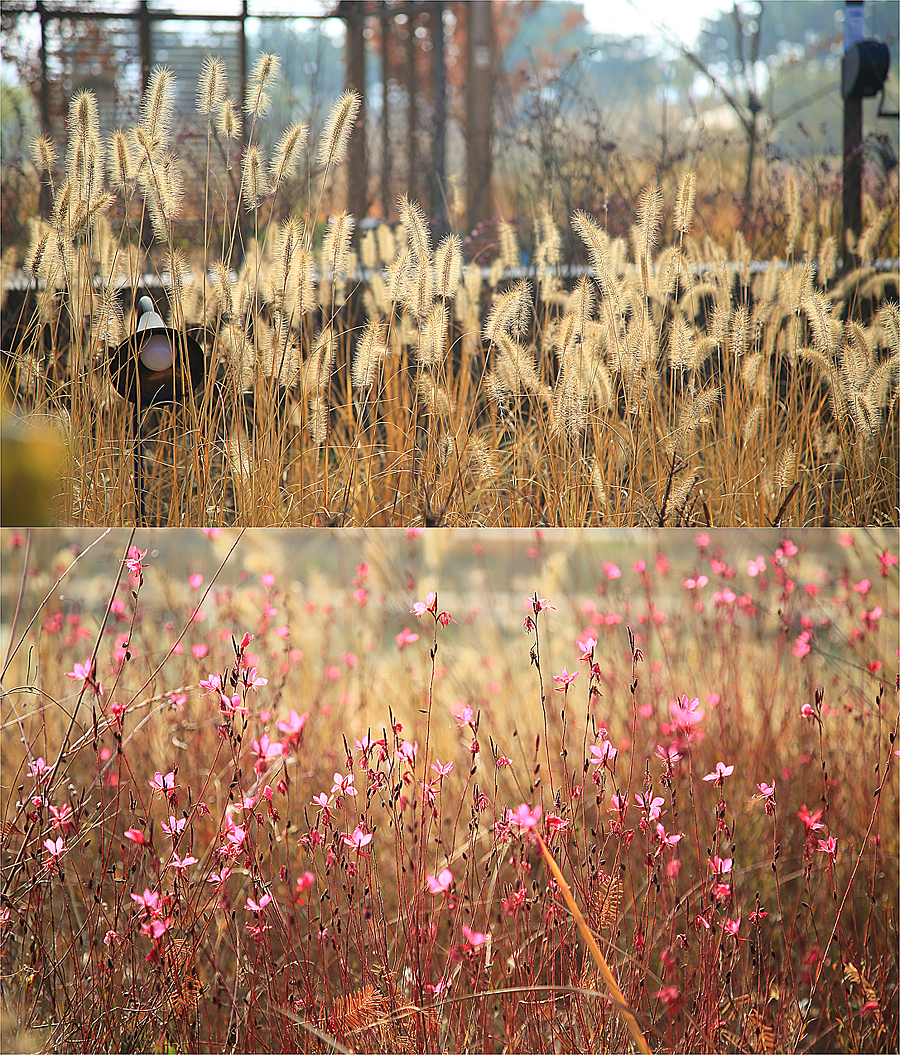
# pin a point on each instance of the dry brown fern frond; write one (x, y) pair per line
(610, 898)
(369, 1016)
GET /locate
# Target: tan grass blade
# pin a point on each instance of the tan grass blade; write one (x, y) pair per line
(627, 1014)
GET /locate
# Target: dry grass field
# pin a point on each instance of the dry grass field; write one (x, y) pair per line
(379, 378)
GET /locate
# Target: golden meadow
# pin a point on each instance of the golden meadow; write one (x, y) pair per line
(376, 377)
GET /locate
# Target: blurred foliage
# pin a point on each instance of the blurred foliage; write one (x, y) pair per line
(33, 458)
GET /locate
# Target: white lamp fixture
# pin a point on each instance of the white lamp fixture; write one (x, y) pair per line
(157, 353)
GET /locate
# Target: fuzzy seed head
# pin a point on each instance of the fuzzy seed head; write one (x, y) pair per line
(336, 134)
(287, 153)
(211, 86)
(448, 265)
(119, 161)
(684, 203)
(370, 350)
(337, 243)
(157, 104)
(44, 154)
(258, 100)
(254, 185)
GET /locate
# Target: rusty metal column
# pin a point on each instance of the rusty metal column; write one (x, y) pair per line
(438, 183)
(387, 34)
(242, 61)
(479, 106)
(354, 15)
(145, 43)
(45, 200)
(412, 113)
(851, 184)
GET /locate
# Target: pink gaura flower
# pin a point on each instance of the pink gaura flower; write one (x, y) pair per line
(258, 906)
(39, 770)
(695, 583)
(503, 762)
(666, 839)
(195, 581)
(305, 881)
(213, 683)
(181, 863)
(827, 846)
(555, 823)
(136, 836)
(767, 790)
(441, 770)
(611, 570)
(265, 750)
(440, 883)
(81, 671)
(133, 562)
(293, 727)
(250, 679)
(653, 806)
(719, 865)
(565, 679)
(721, 771)
(343, 784)
(464, 716)
(686, 713)
(162, 783)
(756, 567)
(586, 645)
(439, 988)
(603, 753)
(406, 752)
(149, 899)
(801, 646)
(619, 804)
(670, 996)
(63, 817)
(515, 901)
(811, 821)
(233, 703)
(234, 833)
(405, 638)
(474, 937)
(55, 848)
(540, 604)
(669, 755)
(887, 560)
(174, 826)
(359, 839)
(731, 926)
(523, 817)
(428, 605)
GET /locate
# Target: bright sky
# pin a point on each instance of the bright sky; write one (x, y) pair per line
(658, 19)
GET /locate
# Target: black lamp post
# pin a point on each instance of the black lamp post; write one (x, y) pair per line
(155, 365)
